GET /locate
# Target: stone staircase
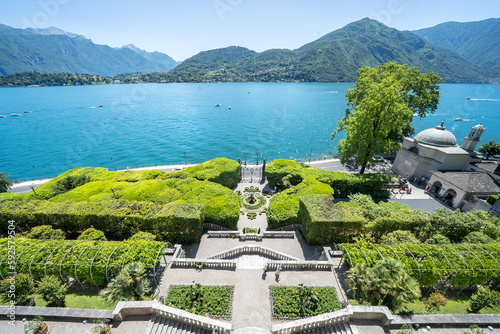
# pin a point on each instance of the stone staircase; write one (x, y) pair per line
(338, 328)
(161, 325)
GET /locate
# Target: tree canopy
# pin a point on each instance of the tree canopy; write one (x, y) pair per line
(5, 183)
(489, 149)
(380, 110)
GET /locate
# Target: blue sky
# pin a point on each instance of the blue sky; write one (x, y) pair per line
(182, 28)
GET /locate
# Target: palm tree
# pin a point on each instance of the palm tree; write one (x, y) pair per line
(386, 283)
(5, 183)
(131, 284)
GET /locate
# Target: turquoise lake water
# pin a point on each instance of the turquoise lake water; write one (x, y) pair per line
(157, 123)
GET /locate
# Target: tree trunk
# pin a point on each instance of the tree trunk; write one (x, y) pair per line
(363, 167)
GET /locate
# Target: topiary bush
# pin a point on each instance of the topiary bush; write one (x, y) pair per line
(45, 232)
(92, 234)
(492, 199)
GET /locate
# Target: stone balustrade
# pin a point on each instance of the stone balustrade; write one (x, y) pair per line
(216, 227)
(251, 236)
(233, 252)
(300, 265)
(279, 234)
(318, 321)
(289, 227)
(204, 263)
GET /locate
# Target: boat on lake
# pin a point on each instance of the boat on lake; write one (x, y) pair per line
(27, 112)
(15, 114)
(218, 105)
(459, 119)
(2, 116)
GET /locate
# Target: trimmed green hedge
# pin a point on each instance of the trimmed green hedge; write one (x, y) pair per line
(492, 199)
(319, 218)
(175, 222)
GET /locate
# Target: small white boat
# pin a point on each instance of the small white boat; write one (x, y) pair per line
(27, 112)
(15, 114)
(2, 116)
(229, 107)
(459, 119)
(218, 105)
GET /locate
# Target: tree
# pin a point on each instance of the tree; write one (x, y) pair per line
(386, 284)
(435, 302)
(483, 298)
(143, 236)
(92, 234)
(52, 291)
(489, 149)
(130, 284)
(399, 237)
(19, 287)
(381, 108)
(5, 183)
(45, 232)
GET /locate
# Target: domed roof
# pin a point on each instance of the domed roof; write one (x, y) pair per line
(437, 136)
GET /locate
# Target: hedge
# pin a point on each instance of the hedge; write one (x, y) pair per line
(492, 199)
(319, 217)
(175, 222)
(344, 184)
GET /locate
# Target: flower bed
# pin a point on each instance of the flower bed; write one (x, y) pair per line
(210, 301)
(259, 201)
(294, 302)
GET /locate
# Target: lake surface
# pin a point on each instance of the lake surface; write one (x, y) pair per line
(157, 123)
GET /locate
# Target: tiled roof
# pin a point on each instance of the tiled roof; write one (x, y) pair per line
(488, 166)
(471, 182)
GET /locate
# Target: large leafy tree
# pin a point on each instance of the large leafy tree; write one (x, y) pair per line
(380, 110)
(489, 149)
(5, 183)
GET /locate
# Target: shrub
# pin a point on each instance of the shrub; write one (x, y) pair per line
(52, 290)
(70, 182)
(361, 199)
(435, 302)
(483, 298)
(5, 183)
(399, 237)
(45, 232)
(477, 238)
(19, 287)
(131, 284)
(92, 234)
(202, 300)
(319, 217)
(492, 199)
(143, 236)
(438, 239)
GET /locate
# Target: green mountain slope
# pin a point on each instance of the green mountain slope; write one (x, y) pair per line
(156, 57)
(24, 51)
(478, 41)
(334, 57)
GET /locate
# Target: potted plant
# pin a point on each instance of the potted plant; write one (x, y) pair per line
(101, 327)
(36, 326)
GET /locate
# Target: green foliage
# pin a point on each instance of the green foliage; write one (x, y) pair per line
(212, 301)
(52, 79)
(143, 236)
(320, 218)
(251, 230)
(435, 301)
(438, 239)
(386, 284)
(131, 284)
(45, 232)
(34, 325)
(477, 237)
(483, 298)
(460, 265)
(19, 288)
(70, 182)
(492, 199)
(291, 302)
(101, 327)
(361, 199)
(5, 183)
(259, 201)
(95, 262)
(399, 237)
(406, 329)
(489, 149)
(92, 234)
(53, 291)
(380, 110)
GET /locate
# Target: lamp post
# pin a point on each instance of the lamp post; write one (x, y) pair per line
(113, 164)
(37, 172)
(257, 154)
(251, 175)
(245, 153)
(33, 188)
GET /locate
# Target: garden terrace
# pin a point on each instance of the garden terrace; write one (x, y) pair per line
(457, 265)
(95, 262)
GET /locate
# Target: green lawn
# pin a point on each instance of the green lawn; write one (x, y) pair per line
(78, 299)
(456, 305)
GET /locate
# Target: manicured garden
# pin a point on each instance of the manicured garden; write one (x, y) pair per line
(210, 301)
(293, 302)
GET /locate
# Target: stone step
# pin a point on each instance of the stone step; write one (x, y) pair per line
(338, 328)
(161, 325)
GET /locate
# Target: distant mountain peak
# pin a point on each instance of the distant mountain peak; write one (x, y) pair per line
(52, 31)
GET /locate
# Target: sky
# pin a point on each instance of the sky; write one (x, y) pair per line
(182, 28)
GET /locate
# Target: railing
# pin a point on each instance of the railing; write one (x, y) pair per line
(251, 236)
(288, 227)
(216, 227)
(253, 249)
(279, 234)
(318, 321)
(204, 263)
(300, 265)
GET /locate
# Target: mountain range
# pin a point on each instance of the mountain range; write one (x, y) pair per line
(459, 52)
(52, 50)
